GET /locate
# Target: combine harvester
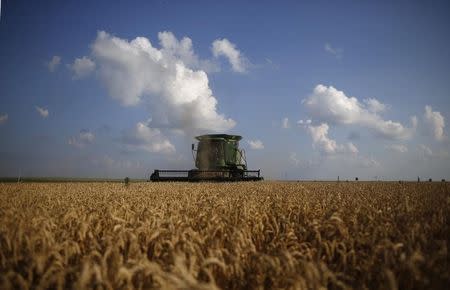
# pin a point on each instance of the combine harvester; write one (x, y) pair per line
(218, 159)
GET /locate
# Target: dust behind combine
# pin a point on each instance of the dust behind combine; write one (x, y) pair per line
(227, 235)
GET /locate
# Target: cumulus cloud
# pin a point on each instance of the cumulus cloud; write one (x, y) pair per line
(329, 105)
(351, 148)
(223, 47)
(426, 150)
(143, 137)
(325, 145)
(428, 153)
(82, 67)
(84, 138)
(337, 52)
(368, 162)
(255, 144)
(293, 158)
(435, 122)
(375, 106)
(3, 118)
(304, 122)
(164, 79)
(400, 148)
(43, 112)
(414, 121)
(285, 123)
(53, 64)
(175, 49)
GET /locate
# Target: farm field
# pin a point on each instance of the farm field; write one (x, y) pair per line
(265, 235)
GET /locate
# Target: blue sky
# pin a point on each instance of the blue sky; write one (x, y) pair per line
(316, 88)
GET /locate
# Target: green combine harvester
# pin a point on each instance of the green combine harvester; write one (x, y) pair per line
(218, 158)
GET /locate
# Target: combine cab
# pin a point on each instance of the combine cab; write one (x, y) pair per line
(218, 158)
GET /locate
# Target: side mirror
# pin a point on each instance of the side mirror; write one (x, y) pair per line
(192, 147)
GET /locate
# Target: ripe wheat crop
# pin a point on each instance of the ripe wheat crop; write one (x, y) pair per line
(266, 235)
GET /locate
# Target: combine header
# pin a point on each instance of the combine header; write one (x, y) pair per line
(218, 158)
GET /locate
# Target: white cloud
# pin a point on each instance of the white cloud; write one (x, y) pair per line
(368, 162)
(82, 67)
(178, 96)
(337, 52)
(351, 148)
(375, 106)
(43, 112)
(434, 122)
(255, 144)
(414, 121)
(53, 64)
(304, 122)
(143, 137)
(426, 150)
(294, 159)
(326, 104)
(3, 118)
(223, 47)
(400, 148)
(84, 138)
(285, 123)
(175, 49)
(428, 153)
(328, 146)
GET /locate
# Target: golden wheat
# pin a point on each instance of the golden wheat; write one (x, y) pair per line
(270, 235)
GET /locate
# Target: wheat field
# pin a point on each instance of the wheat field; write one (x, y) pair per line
(265, 235)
